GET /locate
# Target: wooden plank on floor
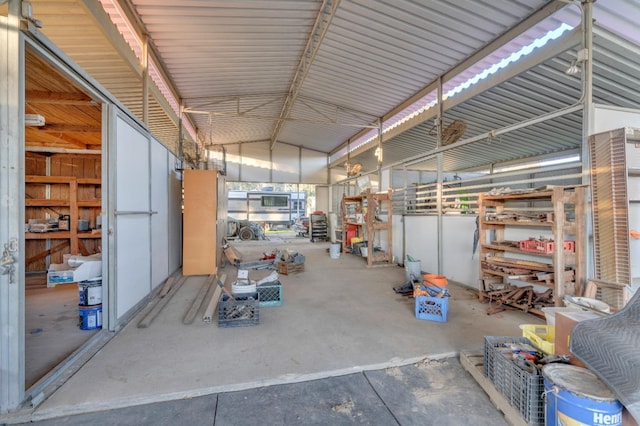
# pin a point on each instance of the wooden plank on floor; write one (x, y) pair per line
(215, 298)
(167, 286)
(473, 363)
(160, 304)
(190, 316)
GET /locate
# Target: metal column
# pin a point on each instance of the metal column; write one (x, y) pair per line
(12, 359)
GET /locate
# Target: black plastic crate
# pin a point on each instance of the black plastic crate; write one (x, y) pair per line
(522, 389)
(242, 311)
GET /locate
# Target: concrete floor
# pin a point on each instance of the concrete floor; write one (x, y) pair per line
(432, 392)
(338, 318)
(51, 329)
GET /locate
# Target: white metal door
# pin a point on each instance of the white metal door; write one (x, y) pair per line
(130, 215)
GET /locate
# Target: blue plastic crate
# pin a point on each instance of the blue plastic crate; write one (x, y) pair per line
(432, 308)
(270, 294)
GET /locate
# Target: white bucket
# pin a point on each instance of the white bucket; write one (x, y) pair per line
(242, 286)
(364, 251)
(334, 251)
(412, 269)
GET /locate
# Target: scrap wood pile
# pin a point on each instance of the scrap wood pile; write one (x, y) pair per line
(524, 297)
(284, 261)
(524, 270)
(518, 216)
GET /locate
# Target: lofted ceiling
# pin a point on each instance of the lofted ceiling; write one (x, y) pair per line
(315, 73)
(72, 119)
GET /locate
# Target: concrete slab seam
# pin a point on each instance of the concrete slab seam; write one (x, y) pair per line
(281, 380)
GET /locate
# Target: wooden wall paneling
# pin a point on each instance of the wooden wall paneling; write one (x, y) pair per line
(74, 165)
(199, 222)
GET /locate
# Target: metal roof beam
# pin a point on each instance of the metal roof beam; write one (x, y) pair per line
(320, 27)
(242, 114)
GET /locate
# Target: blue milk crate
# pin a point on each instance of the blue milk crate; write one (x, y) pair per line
(432, 308)
(270, 294)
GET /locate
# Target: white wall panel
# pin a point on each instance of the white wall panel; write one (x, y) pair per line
(314, 167)
(397, 240)
(286, 163)
(175, 216)
(133, 245)
(159, 221)
(322, 198)
(385, 181)
(422, 241)
(611, 118)
(458, 264)
(256, 164)
(233, 162)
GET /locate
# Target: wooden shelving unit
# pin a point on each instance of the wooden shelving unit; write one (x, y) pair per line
(78, 196)
(361, 213)
(500, 260)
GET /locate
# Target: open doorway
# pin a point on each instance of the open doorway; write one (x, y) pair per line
(62, 205)
(256, 210)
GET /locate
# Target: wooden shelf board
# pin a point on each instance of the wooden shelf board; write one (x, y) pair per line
(89, 235)
(502, 274)
(569, 256)
(517, 223)
(41, 202)
(534, 194)
(89, 203)
(48, 179)
(89, 181)
(54, 235)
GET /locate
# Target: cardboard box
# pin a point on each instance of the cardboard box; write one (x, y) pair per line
(565, 321)
(62, 273)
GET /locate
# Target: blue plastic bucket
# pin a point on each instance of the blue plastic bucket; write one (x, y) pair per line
(575, 396)
(90, 317)
(90, 292)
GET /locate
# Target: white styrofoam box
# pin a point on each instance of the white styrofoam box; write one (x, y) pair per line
(550, 313)
(62, 273)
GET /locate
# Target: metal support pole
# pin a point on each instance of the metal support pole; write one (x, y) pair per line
(379, 156)
(440, 158)
(587, 128)
(12, 304)
(145, 81)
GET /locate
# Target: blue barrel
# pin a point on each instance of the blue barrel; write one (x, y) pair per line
(575, 396)
(90, 317)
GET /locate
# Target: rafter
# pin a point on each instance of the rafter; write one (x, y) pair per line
(57, 98)
(320, 27)
(69, 128)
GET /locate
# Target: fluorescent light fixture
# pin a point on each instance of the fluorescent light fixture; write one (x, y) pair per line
(34, 120)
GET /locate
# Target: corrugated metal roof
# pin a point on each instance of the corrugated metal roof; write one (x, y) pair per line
(375, 55)
(538, 91)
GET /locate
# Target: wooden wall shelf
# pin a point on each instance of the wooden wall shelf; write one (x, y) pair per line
(500, 262)
(74, 203)
(368, 206)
